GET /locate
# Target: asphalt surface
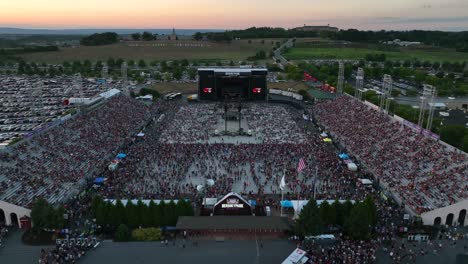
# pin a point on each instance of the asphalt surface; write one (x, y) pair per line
(228, 252)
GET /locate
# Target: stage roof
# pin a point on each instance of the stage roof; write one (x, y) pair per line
(233, 222)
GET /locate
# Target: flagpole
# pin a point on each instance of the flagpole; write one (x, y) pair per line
(282, 198)
(315, 180)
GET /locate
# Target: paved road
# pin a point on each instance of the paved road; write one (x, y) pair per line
(14, 251)
(228, 252)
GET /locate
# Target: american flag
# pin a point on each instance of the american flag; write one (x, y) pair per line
(301, 165)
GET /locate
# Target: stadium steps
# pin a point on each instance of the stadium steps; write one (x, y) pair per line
(11, 191)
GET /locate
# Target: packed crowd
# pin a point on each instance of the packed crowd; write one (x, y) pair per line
(69, 250)
(54, 164)
(424, 173)
(3, 232)
(271, 124)
(155, 168)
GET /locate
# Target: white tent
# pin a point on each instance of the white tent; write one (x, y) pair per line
(366, 181)
(352, 166)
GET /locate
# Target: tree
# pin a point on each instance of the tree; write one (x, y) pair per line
(453, 135)
(122, 233)
(440, 74)
(100, 39)
(358, 224)
(141, 63)
(147, 36)
(465, 142)
(131, 215)
(110, 62)
(136, 36)
(39, 213)
(198, 36)
(309, 222)
(327, 214)
(192, 72)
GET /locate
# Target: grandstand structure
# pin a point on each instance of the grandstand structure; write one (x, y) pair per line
(427, 176)
(55, 164)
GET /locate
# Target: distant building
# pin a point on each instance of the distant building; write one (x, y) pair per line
(173, 36)
(317, 28)
(402, 43)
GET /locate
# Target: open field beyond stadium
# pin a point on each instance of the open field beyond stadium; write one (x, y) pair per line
(158, 50)
(307, 53)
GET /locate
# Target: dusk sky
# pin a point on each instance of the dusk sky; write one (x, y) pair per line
(235, 14)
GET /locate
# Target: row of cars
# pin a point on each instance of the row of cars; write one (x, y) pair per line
(28, 102)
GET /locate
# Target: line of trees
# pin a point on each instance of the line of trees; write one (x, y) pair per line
(29, 49)
(110, 216)
(98, 39)
(146, 36)
(356, 220)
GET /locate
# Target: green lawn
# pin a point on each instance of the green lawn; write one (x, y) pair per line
(158, 50)
(302, 53)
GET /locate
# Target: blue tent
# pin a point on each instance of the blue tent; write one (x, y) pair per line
(286, 204)
(99, 180)
(343, 156)
(121, 155)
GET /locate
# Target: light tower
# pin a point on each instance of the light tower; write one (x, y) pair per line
(36, 99)
(428, 90)
(431, 107)
(77, 85)
(386, 92)
(359, 83)
(387, 87)
(123, 70)
(340, 77)
(105, 71)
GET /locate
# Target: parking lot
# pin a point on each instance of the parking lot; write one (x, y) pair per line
(27, 102)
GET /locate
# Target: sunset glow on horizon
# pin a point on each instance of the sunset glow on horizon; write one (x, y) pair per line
(220, 14)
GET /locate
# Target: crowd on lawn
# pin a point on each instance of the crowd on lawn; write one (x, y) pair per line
(163, 165)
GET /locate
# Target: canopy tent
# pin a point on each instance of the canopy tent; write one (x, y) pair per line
(352, 166)
(121, 156)
(100, 180)
(286, 204)
(324, 134)
(365, 181)
(325, 236)
(141, 134)
(209, 201)
(343, 156)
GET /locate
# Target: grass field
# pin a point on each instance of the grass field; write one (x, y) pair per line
(157, 50)
(304, 53)
(187, 88)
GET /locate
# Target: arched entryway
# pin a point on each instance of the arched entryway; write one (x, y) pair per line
(2, 217)
(462, 217)
(14, 219)
(437, 221)
(449, 219)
